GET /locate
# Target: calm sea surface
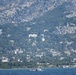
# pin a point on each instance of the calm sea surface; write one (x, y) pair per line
(54, 71)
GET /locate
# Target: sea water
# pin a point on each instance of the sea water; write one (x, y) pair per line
(52, 71)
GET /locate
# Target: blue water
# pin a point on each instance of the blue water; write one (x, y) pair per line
(54, 71)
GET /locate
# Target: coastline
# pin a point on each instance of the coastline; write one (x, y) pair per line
(36, 68)
(15, 69)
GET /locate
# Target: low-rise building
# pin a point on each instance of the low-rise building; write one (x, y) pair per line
(5, 59)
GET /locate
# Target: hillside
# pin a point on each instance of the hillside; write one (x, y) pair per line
(37, 32)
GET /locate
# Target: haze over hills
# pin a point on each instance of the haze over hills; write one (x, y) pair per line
(41, 32)
(25, 10)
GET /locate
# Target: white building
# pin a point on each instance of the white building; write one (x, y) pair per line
(32, 35)
(5, 59)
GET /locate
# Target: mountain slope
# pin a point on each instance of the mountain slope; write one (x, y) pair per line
(38, 31)
(24, 11)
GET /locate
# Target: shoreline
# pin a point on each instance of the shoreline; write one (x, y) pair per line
(35, 68)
